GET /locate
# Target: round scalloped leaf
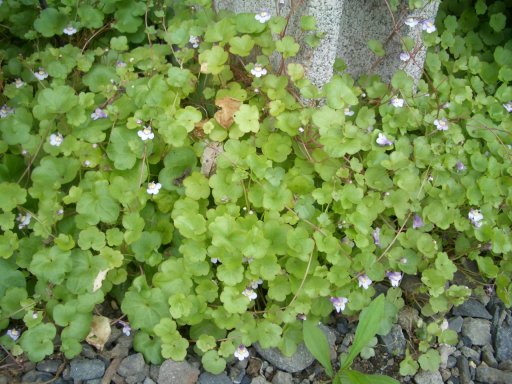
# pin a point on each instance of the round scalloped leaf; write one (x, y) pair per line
(37, 342)
(12, 196)
(213, 363)
(50, 22)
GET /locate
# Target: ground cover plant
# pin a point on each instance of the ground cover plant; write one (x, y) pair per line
(151, 155)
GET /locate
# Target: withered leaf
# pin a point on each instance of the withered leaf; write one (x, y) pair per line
(229, 107)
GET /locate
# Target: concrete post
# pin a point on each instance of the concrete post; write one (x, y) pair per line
(348, 26)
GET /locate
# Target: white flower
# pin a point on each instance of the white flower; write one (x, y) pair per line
(382, 140)
(154, 188)
(255, 284)
(241, 352)
(194, 40)
(428, 26)
(13, 334)
(120, 64)
(339, 303)
(23, 220)
(41, 74)
(348, 112)
(263, 16)
(444, 325)
(441, 125)
(60, 212)
(508, 106)
(460, 166)
(258, 70)
(250, 294)
(397, 102)
(301, 130)
(394, 278)
(476, 217)
(364, 281)
(214, 260)
(411, 22)
(5, 111)
(56, 139)
(69, 30)
(146, 133)
(87, 163)
(19, 83)
(35, 315)
(405, 56)
(99, 114)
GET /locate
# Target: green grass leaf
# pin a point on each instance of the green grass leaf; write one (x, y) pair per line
(317, 344)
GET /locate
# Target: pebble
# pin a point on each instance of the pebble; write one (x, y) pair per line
(182, 372)
(455, 323)
(472, 308)
(282, 378)
(477, 330)
(394, 341)
(488, 356)
(506, 365)
(50, 366)
(132, 365)
(36, 377)
(148, 380)
(470, 354)
(445, 351)
(490, 375)
(445, 374)
(464, 373)
(86, 369)
(209, 378)
(503, 339)
(259, 380)
(427, 377)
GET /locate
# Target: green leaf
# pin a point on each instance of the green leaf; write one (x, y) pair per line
(213, 60)
(50, 22)
(91, 237)
(196, 186)
(430, 360)
(355, 377)
(498, 21)
(51, 101)
(369, 324)
(119, 43)
(124, 148)
(317, 344)
(339, 94)
(408, 366)
(376, 47)
(287, 46)
(241, 45)
(247, 118)
(213, 363)
(37, 342)
(145, 308)
(12, 196)
(51, 264)
(308, 23)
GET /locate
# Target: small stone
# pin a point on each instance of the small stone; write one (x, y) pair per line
(506, 365)
(445, 351)
(254, 366)
(88, 351)
(282, 378)
(246, 380)
(488, 356)
(182, 372)
(153, 372)
(132, 365)
(455, 323)
(50, 366)
(472, 308)
(464, 373)
(4, 379)
(148, 380)
(452, 360)
(342, 325)
(445, 374)
(209, 378)
(490, 375)
(93, 381)
(300, 360)
(86, 369)
(470, 354)
(503, 339)
(259, 380)
(427, 377)
(36, 377)
(394, 341)
(477, 330)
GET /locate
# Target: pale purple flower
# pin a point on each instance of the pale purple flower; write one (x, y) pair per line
(428, 26)
(255, 284)
(241, 352)
(153, 188)
(214, 260)
(23, 219)
(146, 133)
(397, 102)
(56, 139)
(441, 124)
(460, 166)
(403, 260)
(476, 217)
(339, 303)
(194, 40)
(376, 236)
(301, 316)
(69, 30)
(120, 64)
(405, 56)
(41, 74)
(258, 70)
(99, 114)
(87, 163)
(126, 327)
(508, 106)
(394, 278)
(14, 334)
(411, 22)
(263, 16)
(364, 281)
(348, 112)
(250, 294)
(417, 222)
(383, 141)
(5, 111)
(19, 83)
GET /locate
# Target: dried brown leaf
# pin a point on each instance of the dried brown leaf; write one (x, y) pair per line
(229, 107)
